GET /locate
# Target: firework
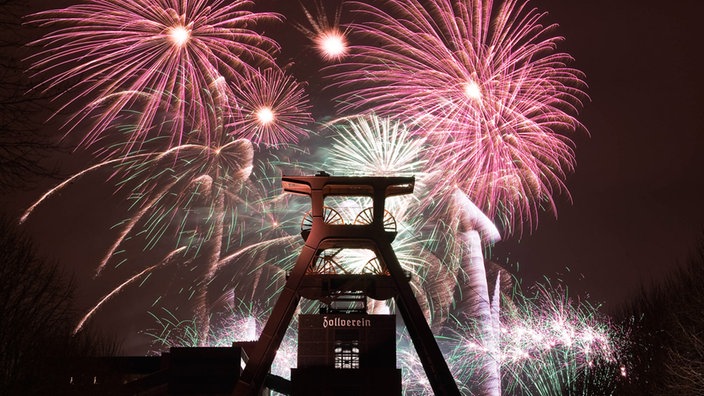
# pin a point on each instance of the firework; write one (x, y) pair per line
(272, 109)
(160, 59)
(374, 146)
(485, 86)
(547, 345)
(191, 86)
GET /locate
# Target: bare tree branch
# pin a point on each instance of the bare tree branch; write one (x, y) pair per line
(24, 141)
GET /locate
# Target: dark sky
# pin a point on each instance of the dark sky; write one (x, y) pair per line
(636, 210)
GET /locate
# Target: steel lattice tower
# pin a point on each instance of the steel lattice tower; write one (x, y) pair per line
(321, 231)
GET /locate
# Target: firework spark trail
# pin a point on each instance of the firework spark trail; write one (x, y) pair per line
(127, 229)
(132, 54)
(98, 166)
(257, 270)
(195, 192)
(119, 288)
(63, 184)
(486, 87)
(267, 244)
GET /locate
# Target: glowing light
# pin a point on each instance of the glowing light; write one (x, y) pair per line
(265, 116)
(323, 31)
(179, 35)
(332, 45)
(472, 90)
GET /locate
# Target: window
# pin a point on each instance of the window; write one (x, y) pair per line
(347, 355)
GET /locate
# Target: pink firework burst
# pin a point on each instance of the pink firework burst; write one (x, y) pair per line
(158, 58)
(484, 84)
(272, 108)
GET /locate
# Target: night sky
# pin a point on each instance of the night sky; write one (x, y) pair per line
(637, 209)
(635, 212)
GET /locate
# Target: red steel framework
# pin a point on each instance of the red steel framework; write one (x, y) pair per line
(321, 231)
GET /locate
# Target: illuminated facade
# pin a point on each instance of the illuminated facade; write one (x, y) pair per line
(342, 354)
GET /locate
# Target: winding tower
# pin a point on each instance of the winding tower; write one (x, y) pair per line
(316, 276)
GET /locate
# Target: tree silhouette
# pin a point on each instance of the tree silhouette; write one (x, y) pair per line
(36, 341)
(23, 139)
(667, 329)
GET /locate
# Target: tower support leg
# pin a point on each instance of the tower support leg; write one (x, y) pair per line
(439, 375)
(264, 352)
